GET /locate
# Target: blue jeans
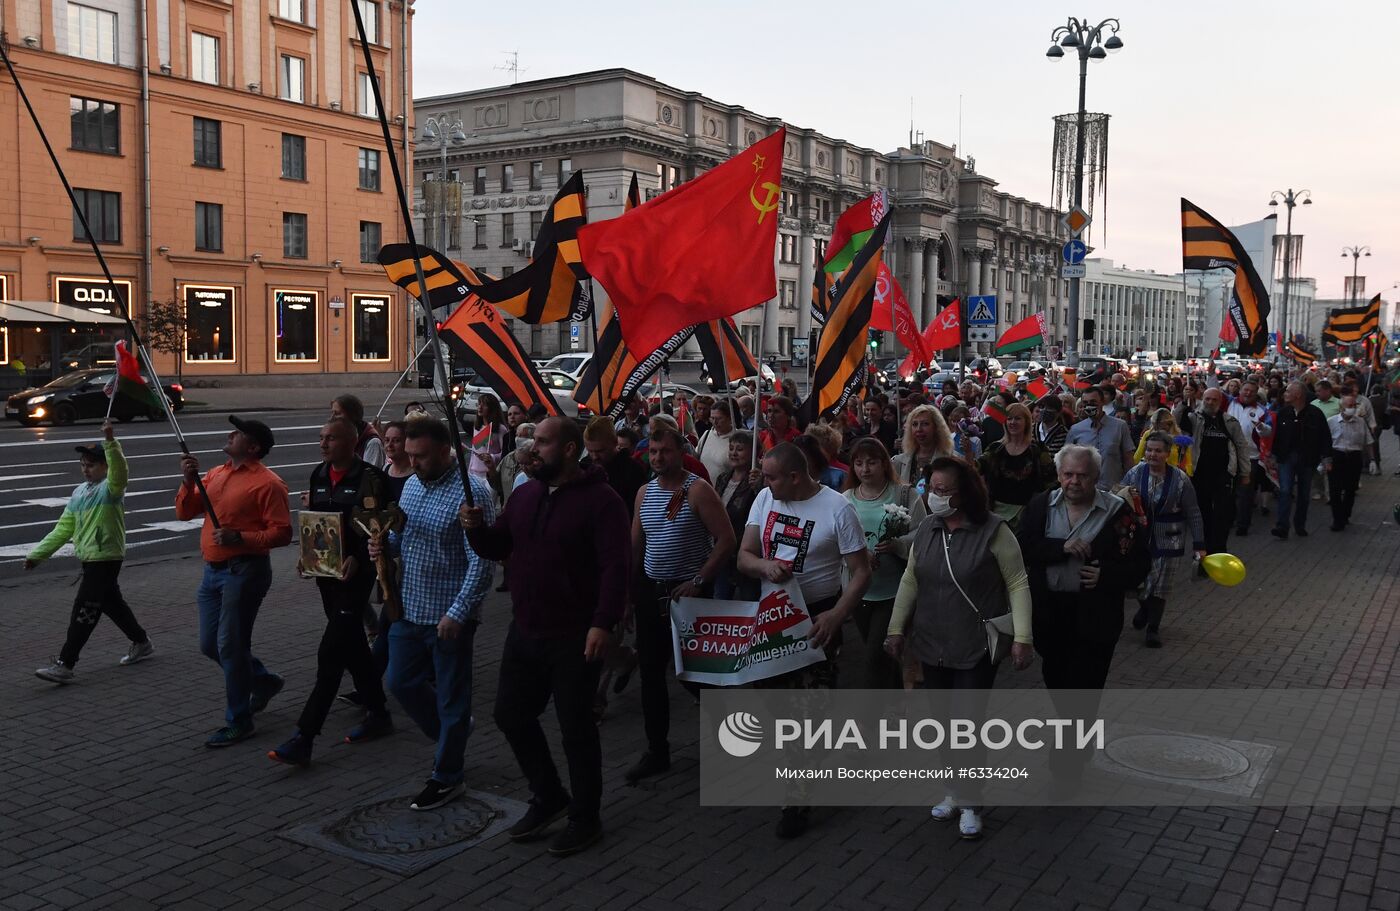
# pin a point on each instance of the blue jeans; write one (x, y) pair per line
(1294, 484)
(443, 712)
(228, 600)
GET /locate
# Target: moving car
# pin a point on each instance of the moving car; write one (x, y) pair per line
(1098, 369)
(82, 394)
(1021, 368)
(467, 389)
(572, 363)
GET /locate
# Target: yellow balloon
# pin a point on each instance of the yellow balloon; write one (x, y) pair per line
(1226, 569)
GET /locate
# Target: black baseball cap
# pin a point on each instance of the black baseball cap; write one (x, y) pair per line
(255, 429)
(96, 453)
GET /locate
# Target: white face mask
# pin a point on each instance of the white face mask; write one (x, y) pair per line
(939, 505)
(1349, 412)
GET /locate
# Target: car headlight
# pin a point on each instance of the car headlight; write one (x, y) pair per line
(41, 398)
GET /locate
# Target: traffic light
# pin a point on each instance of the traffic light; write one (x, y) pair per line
(875, 335)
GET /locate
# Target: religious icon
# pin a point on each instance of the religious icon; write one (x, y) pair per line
(321, 535)
(376, 524)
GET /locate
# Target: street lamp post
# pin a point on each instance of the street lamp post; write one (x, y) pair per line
(1355, 253)
(443, 132)
(1290, 199)
(1091, 44)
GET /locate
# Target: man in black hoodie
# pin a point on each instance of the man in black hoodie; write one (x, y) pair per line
(1302, 440)
(568, 536)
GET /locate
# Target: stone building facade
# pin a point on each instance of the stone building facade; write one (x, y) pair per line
(955, 232)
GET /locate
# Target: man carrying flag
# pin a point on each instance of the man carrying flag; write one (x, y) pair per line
(94, 521)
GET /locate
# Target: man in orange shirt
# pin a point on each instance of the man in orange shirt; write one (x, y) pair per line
(250, 502)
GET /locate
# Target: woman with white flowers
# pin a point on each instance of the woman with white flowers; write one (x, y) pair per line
(964, 569)
(889, 512)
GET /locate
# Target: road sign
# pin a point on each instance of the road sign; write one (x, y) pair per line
(1074, 252)
(1075, 221)
(1075, 271)
(982, 311)
(982, 334)
(574, 343)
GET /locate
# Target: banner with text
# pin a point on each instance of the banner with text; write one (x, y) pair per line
(730, 643)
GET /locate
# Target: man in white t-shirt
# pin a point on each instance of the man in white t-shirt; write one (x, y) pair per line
(799, 529)
(1256, 422)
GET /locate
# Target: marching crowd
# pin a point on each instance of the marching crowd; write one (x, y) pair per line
(958, 527)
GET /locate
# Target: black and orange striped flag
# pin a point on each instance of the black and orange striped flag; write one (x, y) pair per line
(726, 356)
(1299, 353)
(1353, 324)
(634, 195)
(449, 282)
(554, 286)
(1207, 244)
(1376, 344)
(480, 336)
(838, 368)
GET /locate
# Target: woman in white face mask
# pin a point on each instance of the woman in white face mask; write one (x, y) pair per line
(964, 569)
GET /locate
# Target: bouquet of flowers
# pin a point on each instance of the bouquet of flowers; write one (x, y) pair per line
(895, 523)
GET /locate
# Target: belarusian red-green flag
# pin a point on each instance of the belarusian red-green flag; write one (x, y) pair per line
(852, 230)
(993, 410)
(129, 382)
(1037, 389)
(1028, 333)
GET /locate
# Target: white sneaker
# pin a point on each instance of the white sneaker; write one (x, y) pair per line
(58, 672)
(970, 824)
(945, 810)
(1375, 470)
(139, 651)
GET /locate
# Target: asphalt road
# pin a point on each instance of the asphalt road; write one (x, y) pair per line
(39, 469)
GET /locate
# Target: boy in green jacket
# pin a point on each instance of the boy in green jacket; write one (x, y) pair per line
(94, 521)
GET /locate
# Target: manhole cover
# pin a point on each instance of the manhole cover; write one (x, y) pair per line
(1178, 756)
(387, 834)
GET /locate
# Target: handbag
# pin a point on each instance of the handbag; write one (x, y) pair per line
(1000, 631)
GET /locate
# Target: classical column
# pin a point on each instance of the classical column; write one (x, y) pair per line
(984, 258)
(805, 274)
(915, 292)
(930, 305)
(973, 272)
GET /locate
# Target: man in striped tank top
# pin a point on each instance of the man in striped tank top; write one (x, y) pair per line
(677, 517)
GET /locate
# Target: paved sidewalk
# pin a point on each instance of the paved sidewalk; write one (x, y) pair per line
(110, 799)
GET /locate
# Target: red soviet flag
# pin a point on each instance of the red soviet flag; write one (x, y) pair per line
(944, 332)
(701, 252)
(891, 313)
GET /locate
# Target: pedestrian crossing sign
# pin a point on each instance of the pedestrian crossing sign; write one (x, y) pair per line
(982, 311)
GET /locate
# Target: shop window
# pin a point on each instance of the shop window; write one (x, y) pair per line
(209, 323)
(296, 313)
(369, 321)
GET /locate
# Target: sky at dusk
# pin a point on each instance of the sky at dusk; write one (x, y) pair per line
(1218, 102)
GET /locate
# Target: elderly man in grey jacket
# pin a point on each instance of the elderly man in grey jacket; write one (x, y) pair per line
(1220, 454)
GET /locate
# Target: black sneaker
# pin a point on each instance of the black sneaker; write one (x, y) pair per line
(375, 725)
(228, 736)
(575, 837)
(537, 819)
(1139, 619)
(296, 751)
(263, 694)
(1153, 639)
(435, 794)
(352, 698)
(1280, 533)
(793, 822)
(1301, 532)
(651, 763)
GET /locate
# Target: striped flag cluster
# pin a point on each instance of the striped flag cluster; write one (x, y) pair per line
(1353, 324)
(1207, 244)
(1300, 354)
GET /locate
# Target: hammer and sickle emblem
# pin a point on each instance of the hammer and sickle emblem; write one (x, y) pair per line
(770, 203)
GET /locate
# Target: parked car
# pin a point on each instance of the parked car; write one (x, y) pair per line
(561, 386)
(572, 363)
(1098, 369)
(82, 394)
(651, 393)
(1021, 368)
(467, 390)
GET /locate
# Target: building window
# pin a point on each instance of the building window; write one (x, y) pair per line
(294, 10)
(536, 220)
(92, 33)
(209, 227)
(507, 229)
(785, 337)
(566, 170)
(1025, 282)
(788, 251)
(365, 100)
(371, 235)
(675, 176)
(204, 58)
(104, 215)
(369, 169)
(294, 235)
(824, 210)
(507, 271)
(369, 327)
(209, 323)
(293, 157)
(96, 125)
(479, 184)
(507, 178)
(479, 242)
(297, 312)
(369, 12)
(293, 86)
(787, 295)
(537, 175)
(208, 143)
(820, 245)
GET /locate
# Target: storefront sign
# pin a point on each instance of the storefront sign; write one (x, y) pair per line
(95, 294)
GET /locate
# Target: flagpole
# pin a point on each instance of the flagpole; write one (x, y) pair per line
(111, 284)
(394, 388)
(894, 323)
(430, 323)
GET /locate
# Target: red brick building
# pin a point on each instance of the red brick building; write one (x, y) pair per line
(229, 160)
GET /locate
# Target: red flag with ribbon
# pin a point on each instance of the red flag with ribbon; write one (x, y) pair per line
(891, 312)
(944, 332)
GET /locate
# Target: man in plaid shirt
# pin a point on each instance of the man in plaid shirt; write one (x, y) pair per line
(443, 585)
